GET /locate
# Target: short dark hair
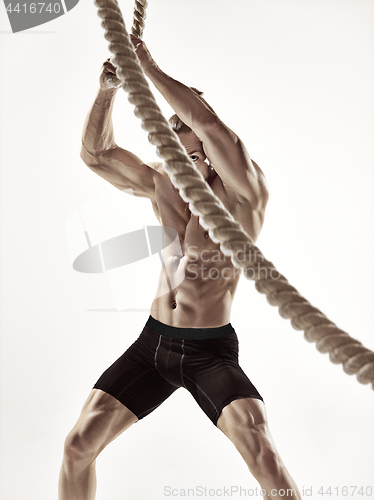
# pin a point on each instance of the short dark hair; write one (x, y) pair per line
(176, 123)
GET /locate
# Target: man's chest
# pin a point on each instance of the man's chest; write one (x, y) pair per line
(172, 211)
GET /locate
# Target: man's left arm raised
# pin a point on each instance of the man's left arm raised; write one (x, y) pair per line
(225, 151)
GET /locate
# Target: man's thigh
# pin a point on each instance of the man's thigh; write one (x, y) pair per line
(244, 422)
(242, 412)
(134, 380)
(102, 419)
(213, 375)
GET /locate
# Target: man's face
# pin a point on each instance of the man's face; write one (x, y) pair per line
(195, 151)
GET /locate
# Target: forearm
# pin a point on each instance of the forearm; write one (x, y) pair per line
(185, 102)
(98, 128)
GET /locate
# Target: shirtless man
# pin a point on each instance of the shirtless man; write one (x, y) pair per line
(188, 340)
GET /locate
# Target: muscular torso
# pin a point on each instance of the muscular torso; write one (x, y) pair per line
(198, 282)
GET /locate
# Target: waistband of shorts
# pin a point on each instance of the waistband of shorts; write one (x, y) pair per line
(175, 332)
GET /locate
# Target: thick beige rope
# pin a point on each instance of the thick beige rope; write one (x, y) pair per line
(139, 18)
(223, 229)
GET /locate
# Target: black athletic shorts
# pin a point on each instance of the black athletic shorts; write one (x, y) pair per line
(164, 358)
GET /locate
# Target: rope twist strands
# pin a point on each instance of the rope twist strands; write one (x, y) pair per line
(223, 229)
(139, 17)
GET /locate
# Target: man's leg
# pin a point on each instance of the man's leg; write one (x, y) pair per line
(244, 422)
(103, 418)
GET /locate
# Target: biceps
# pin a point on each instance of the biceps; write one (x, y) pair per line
(224, 148)
(228, 155)
(231, 160)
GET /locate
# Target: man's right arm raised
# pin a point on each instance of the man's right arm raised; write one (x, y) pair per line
(101, 154)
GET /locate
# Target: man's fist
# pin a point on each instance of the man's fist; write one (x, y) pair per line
(108, 78)
(143, 53)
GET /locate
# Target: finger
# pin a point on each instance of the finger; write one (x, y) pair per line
(109, 67)
(109, 60)
(135, 40)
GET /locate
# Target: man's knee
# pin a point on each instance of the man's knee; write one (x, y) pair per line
(84, 442)
(268, 463)
(103, 418)
(255, 444)
(246, 426)
(77, 450)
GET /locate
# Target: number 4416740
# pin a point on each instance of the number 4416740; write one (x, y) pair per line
(34, 8)
(346, 491)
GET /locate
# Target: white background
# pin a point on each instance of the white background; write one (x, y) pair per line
(295, 80)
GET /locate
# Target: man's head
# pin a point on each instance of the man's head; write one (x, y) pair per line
(195, 151)
(190, 141)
